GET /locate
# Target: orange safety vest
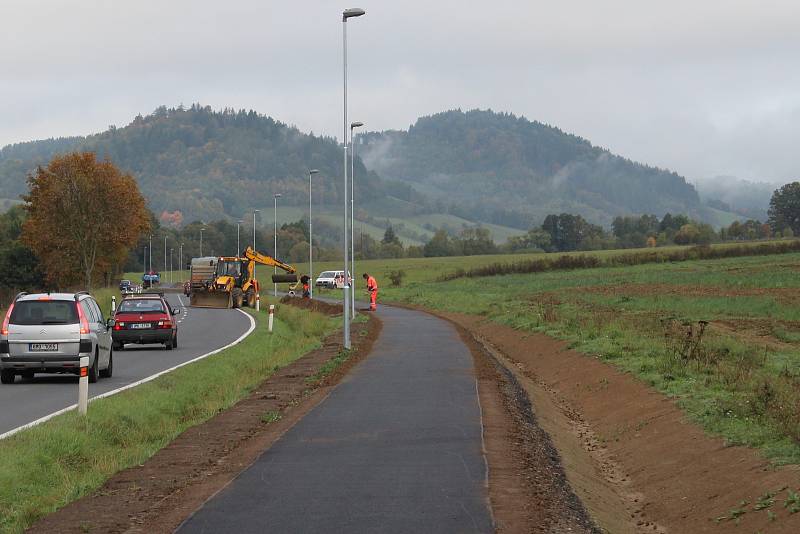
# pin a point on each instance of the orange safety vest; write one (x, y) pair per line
(372, 285)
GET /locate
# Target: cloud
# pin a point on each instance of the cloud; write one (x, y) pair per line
(703, 88)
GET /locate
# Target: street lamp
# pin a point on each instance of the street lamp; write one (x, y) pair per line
(150, 248)
(180, 260)
(165, 255)
(201, 241)
(171, 250)
(254, 243)
(275, 197)
(346, 14)
(238, 246)
(310, 249)
(353, 125)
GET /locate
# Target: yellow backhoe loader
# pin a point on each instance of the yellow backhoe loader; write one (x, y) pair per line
(229, 282)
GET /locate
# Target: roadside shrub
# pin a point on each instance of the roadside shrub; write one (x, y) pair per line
(396, 277)
(583, 261)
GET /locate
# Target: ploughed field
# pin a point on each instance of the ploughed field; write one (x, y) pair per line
(721, 336)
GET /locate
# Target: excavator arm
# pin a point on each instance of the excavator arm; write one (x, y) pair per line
(263, 259)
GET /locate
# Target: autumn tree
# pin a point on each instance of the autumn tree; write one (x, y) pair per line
(84, 216)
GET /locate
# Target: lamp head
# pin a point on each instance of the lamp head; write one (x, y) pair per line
(313, 171)
(352, 12)
(356, 125)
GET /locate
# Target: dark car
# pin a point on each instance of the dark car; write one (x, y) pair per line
(125, 286)
(145, 318)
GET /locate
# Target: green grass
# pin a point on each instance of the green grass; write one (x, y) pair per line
(743, 382)
(48, 466)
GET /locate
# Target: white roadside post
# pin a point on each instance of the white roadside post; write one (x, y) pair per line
(113, 303)
(271, 315)
(83, 386)
(258, 301)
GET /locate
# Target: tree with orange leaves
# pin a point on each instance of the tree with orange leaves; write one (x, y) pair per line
(84, 216)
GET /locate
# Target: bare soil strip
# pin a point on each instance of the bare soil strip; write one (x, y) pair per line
(159, 494)
(629, 453)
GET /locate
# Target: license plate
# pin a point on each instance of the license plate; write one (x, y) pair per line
(140, 325)
(43, 347)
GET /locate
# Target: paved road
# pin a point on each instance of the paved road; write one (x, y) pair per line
(396, 447)
(201, 330)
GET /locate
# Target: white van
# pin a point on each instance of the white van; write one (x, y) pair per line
(330, 280)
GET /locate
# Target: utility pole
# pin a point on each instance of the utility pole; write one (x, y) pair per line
(310, 233)
(353, 125)
(275, 197)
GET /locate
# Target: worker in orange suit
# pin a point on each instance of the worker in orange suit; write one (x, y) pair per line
(372, 288)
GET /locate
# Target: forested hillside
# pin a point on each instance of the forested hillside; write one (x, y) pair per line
(505, 169)
(453, 168)
(203, 163)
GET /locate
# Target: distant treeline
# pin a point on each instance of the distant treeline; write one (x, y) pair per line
(584, 261)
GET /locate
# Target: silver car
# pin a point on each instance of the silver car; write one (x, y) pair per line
(50, 332)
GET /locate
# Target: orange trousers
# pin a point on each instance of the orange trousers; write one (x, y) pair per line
(373, 300)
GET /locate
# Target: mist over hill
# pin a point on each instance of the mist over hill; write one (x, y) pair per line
(474, 167)
(508, 170)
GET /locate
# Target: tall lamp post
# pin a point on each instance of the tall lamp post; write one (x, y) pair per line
(201, 241)
(353, 125)
(171, 250)
(346, 14)
(275, 198)
(238, 245)
(254, 242)
(180, 261)
(165, 255)
(150, 248)
(310, 248)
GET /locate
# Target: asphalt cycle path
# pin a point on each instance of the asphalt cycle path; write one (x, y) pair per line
(396, 447)
(200, 331)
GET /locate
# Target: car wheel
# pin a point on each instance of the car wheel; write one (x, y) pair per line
(108, 371)
(175, 341)
(168, 345)
(7, 376)
(28, 375)
(117, 345)
(93, 369)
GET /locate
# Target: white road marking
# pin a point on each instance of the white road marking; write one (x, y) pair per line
(137, 383)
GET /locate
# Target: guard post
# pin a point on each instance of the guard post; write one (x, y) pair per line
(271, 315)
(83, 386)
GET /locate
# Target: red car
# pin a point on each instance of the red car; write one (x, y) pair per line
(145, 318)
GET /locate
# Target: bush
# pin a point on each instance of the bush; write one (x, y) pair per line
(396, 277)
(563, 263)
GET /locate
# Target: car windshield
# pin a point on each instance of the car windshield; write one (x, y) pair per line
(41, 312)
(327, 274)
(141, 306)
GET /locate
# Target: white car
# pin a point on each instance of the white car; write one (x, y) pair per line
(330, 280)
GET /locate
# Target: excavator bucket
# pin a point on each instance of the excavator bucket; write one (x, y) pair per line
(284, 278)
(210, 299)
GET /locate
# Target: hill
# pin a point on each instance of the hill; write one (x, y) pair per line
(500, 168)
(453, 169)
(203, 163)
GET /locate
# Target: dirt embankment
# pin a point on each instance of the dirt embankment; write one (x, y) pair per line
(628, 451)
(159, 494)
(313, 305)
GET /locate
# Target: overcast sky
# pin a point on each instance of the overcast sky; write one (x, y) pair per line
(703, 87)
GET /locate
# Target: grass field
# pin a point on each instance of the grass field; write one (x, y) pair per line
(740, 377)
(69, 456)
